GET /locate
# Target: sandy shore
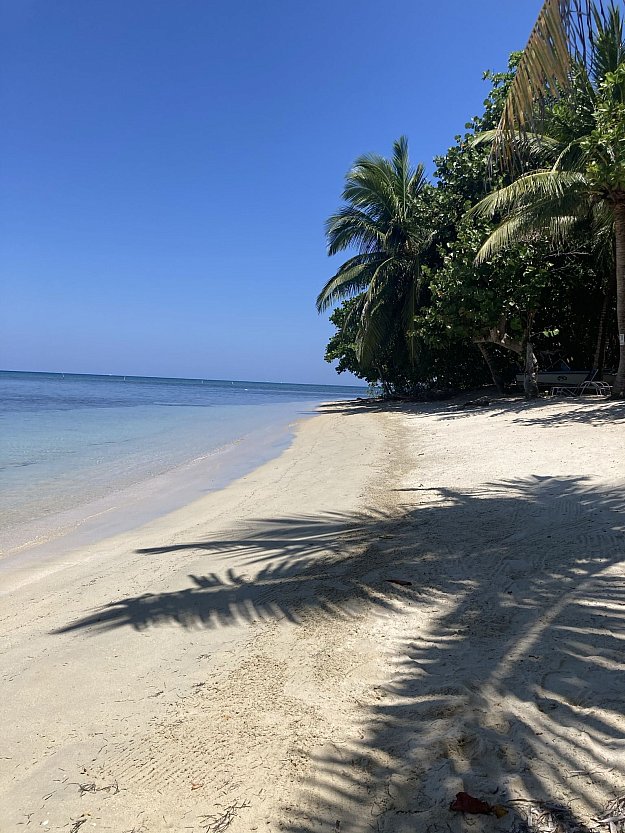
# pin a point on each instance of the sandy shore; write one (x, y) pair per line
(245, 664)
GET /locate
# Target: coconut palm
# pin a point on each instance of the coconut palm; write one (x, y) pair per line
(576, 53)
(382, 219)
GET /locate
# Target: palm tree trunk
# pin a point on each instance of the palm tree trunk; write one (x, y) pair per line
(599, 359)
(619, 226)
(497, 381)
(530, 381)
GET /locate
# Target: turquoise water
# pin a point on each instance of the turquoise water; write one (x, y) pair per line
(67, 440)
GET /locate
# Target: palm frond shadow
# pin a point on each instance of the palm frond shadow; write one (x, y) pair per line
(513, 689)
(512, 694)
(311, 567)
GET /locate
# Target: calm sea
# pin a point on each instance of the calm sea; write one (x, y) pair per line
(75, 446)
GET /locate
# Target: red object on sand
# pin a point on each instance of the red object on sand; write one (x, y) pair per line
(465, 803)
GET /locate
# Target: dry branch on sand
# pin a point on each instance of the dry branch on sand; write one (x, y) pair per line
(221, 821)
(613, 818)
(543, 817)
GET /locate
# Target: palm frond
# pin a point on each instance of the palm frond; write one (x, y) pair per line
(570, 158)
(401, 170)
(521, 227)
(558, 41)
(355, 312)
(351, 227)
(547, 185)
(526, 145)
(507, 234)
(542, 71)
(602, 224)
(382, 219)
(352, 277)
(378, 324)
(552, 218)
(608, 51)
(369, 186)
(408, 181)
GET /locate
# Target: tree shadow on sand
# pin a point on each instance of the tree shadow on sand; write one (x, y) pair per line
(512, 685)
(312, 565)
(517, 689)
(579, 410)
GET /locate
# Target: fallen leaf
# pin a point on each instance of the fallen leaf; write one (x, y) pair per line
(466, 803)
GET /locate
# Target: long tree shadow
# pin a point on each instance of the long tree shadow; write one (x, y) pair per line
(549, 411)
(581, 411)
(511, 673)
(545, 411)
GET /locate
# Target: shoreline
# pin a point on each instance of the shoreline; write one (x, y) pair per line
(92, 447)
(131, 507)
(69, 684)
(404, 604)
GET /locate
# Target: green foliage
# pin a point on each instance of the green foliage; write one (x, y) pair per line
(604, 145)
(384, 219)
(439, 367)
(341, 347)
(485, 256)
(578, 194)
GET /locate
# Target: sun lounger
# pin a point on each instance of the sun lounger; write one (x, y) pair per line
(589, 385)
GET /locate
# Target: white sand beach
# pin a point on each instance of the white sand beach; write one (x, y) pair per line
(245, 663)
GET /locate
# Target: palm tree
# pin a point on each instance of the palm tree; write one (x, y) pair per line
(382, 219)
(576, 52)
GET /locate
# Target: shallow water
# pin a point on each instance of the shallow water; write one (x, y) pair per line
(70, 441)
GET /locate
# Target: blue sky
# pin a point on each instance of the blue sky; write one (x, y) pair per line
(167, 166)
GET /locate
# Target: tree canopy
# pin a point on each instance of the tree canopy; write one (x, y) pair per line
(516, 250)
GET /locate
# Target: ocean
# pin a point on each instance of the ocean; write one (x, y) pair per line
(103, 453)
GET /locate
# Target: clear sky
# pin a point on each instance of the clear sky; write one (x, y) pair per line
(167, 166)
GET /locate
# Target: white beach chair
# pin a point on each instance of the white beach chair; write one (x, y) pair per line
(589, 385)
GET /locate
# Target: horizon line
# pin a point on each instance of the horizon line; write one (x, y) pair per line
(135, 376)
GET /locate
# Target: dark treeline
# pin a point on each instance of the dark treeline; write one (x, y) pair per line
(507, 261)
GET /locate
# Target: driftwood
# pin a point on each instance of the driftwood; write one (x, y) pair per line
(544, 817)
(613, 817)
(92, 788)
(482, 402)
(221, 821)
